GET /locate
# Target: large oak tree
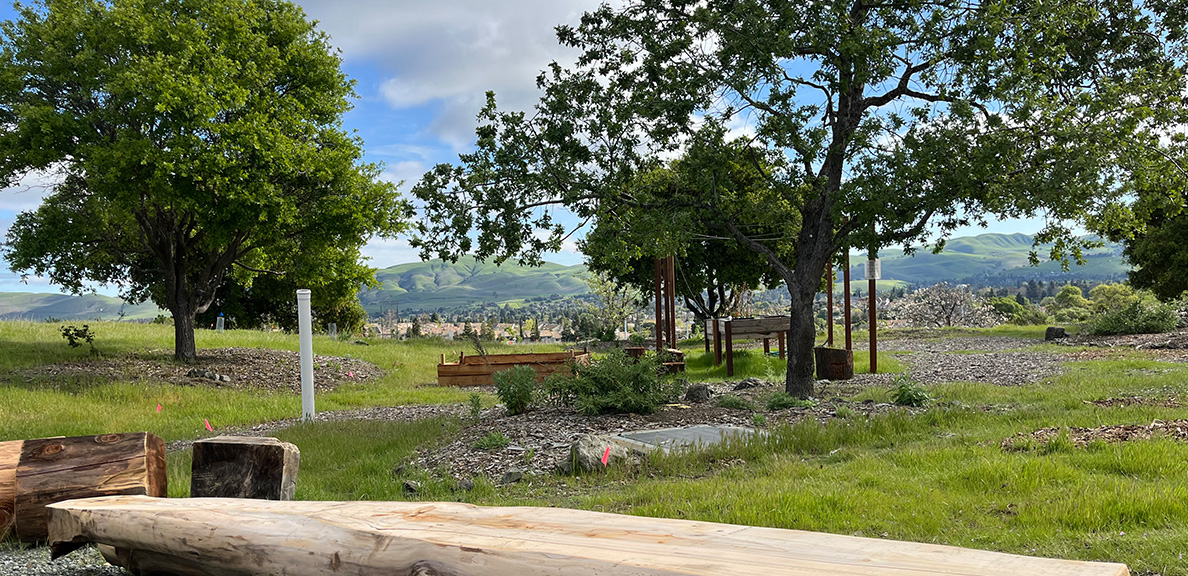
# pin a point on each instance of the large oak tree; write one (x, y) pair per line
(875, 122)
(190, 140)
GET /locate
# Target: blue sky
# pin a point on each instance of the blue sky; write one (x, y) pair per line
(422, 70)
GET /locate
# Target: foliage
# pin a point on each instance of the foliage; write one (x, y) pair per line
(907, 392)
(615, 301)
(414, 331)
(516, 387)
(733, 402)
(475, 404)
(1068, 305)
(783, 400)
(76, 336)
(493, 441)
(614, 383)
(758, 420)
(871, 124)
(1105, 297)
(187, 142)
(1135, 318)
(943, 305)
(1016, 312)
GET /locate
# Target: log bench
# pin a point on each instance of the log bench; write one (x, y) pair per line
(208, 537)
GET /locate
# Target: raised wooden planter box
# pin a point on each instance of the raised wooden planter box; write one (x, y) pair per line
(478, 370)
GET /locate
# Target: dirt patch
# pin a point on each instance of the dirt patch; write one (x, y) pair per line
(1177, 429)
(244, 368)
(1169, 402)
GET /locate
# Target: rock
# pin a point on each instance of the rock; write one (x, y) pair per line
(411, 486)
(585, 454)
(748, 383)
(512, 476)
(1054, 333)
(697, 393)
(361, 343)
(397, 471)
(224, 378)
(465, 485)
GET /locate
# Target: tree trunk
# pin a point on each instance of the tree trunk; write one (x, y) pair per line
(184, 348)
(802, 337)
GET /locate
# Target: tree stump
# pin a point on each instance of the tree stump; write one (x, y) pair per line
(244, 467)
(1054, 333)
(57, 469)
(834, 363)
(10, 456)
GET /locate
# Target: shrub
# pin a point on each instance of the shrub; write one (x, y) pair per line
(76, 336)
(1135, 318)
(476, 407)
(493, 441)
(516, 388)
(783, 400)
(908, 393)
(614, 383)
(734, 403)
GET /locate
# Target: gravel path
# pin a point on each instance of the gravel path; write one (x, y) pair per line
(35, 562)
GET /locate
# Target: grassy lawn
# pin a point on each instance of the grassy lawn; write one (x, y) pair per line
(937, 474)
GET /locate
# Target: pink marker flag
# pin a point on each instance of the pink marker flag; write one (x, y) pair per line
(606, 456)
(351, 373)
(158, 408)
(208, 424)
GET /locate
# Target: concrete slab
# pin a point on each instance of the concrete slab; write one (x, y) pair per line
(668, 438)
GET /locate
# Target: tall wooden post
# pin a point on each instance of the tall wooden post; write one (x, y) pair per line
(874, 341)
(670, 290)
(846, 308)
(659, 308)
(829, 304)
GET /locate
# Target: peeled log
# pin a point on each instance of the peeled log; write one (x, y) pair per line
(10, 455)
(233, 537)
(244, 467)
(56, 469)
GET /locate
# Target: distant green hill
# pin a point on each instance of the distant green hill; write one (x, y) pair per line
(28, 306)
(987, 259)
(992, 259)
(438, 284)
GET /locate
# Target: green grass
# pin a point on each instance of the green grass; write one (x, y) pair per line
(931, 475)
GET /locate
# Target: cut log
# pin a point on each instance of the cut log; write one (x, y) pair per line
(244, 467)
(56, 469)
(229, 537)
(10, 456)
(834, 363)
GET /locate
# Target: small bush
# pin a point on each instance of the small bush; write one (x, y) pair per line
(614, 383)
(516, 388)
(758, 420)
(76, 336)
(844, 412)
(783, 400)
(908, 393)
(1135, 318)
(493, 441)
(476, 407)
(734, 403)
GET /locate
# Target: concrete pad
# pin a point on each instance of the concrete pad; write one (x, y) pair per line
(668, 438)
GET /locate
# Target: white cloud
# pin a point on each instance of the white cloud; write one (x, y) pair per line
(451, 51)
(28, 192)
(383, 253)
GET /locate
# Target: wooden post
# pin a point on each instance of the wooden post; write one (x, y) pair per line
(56, 469)
(706, 330)
(718, 342)
(244, 467)
(659, 310)
(874, 344)
(729, 350)
(829, 304)
(846, 308)
(670, 289)
(766, 346)
(782, 337)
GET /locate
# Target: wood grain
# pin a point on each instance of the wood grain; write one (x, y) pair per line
(244, 467)
(206, 537)
(56, 469)
(10, 456)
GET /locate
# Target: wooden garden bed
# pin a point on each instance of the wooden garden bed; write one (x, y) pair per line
(478, 370)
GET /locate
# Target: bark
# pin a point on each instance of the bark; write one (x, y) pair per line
(184, 348)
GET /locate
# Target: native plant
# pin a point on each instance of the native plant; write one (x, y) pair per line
(516, 388)
(614, 383)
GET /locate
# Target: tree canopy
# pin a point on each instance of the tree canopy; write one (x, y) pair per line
(874, 124)
(192, 140)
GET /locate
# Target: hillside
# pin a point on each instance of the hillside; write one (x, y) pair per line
(992, 259)
(28, 306)
(987, 259)
(438, 284)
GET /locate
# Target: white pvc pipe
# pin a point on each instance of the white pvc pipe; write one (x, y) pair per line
(305, 339)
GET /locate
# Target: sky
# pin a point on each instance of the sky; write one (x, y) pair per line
(422, 69)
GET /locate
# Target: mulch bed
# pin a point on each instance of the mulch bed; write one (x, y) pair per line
(246, 368)
(1176, 429)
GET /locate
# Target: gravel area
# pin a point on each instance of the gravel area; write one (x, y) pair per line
(35, 562)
